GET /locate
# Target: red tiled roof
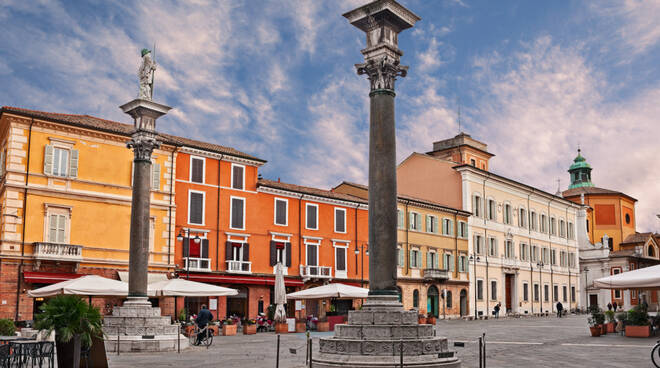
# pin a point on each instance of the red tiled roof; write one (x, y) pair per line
(92, 122)
(309, 190)
(593, 191)
(639, 238)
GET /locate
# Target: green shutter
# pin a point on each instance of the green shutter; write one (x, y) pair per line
(428, 223)
(419, 258)
(73, 164)
(155, 176)
(418, 225)
(410, 258)
(48, 160)
(452, 265)
(411, 220)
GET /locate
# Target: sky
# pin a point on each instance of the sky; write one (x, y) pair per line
(276, 79)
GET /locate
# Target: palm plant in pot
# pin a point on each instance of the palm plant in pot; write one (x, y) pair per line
(637, 323)
(75, 324)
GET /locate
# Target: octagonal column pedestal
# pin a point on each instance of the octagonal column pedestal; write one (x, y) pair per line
(374, 336)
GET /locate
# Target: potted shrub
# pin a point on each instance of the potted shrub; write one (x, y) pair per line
(593, 327)
(214, 327)
(421, 318)
(323, 325)
(228, 327)
(431, 319)
(301, 325)
(249, 327)
(637, 323)
(611, 322)
(599, 317)
(75, 323)
(7, 327)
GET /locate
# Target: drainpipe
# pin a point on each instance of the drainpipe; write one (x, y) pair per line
(552, 302)
(300, 241)
(486, 243)
(25, 193)
(407, 222)
(531, 270)
(169, 210)
(356, 243)
(217, 232)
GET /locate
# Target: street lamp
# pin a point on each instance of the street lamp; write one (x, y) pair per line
(475, 258)
(540, 266)
(184, 233)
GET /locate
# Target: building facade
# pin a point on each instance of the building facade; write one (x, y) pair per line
(522, 245)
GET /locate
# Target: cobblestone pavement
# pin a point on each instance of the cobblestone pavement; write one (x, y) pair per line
(525, 342)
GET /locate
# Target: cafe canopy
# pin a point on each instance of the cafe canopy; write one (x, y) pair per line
(334, 290)
(643, 278)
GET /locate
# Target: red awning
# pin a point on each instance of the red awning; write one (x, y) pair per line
(238, 279)
(48, 277)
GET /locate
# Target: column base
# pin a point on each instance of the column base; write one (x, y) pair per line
(137, 301)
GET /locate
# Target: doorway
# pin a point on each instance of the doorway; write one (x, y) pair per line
(463, 302)
(508, 292)
(237, 304)
(593, 300)
(432, 301)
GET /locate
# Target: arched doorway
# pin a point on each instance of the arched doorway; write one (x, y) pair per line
(463, 302)
(432, 301)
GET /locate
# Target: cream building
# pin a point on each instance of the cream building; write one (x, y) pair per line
(522, 241)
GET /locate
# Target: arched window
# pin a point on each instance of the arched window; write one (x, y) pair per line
(416, 298)
(448, 298)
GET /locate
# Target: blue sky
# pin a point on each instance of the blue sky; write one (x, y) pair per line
(276, 79)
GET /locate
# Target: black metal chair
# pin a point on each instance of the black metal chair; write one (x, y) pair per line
(45, 354)
(5, 351)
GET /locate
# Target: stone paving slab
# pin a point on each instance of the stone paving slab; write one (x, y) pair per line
(525, 342)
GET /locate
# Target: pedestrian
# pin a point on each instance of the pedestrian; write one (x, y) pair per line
(609, 306)
(497, 310)
(560, 309)
(615, 306)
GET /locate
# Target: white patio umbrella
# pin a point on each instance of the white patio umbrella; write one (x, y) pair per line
(648, 277)
(85, 285)
(280, 294)
(182, 287)
(334, 290)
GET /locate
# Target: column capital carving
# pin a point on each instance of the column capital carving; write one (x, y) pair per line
(382, 72)
(143, 143)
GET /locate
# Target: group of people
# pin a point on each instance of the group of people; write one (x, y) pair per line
(560, 309)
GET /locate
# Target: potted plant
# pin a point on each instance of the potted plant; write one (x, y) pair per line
(214, 327)
(249, 327)
(75, 323)
(431, 319)
(637, 323)
(7, 327)
(599, 317)
(593, 327)
(421, 318)
(611, 322)
(228, 327)
(323, 325)
(301, 325)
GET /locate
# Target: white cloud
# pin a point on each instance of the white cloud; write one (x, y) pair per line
(634, 23)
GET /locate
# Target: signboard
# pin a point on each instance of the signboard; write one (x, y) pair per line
(213, 304)
(299, 305)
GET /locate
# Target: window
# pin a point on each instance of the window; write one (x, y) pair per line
(545, 256)
(572, 293)
(462, 263)
(473, 162)
(533, 221)
(492, 247)
(462, 229)
(508, 250)
(562, 228)
(340, 220)
(415, 221)
(312, 253)
(555, 293)
(281, 212)
(478, 244)
(493, 290)
(3, 162)
(196, 207)
(432, 260)
(522, 219)
(415, 258)
(587, 225)
(543, 227)
(627, 218)
(480, 289)
(562, 259)
(448, 298)
(432, 224)
(340, 260)
(401, 223)
(311, 218)
(571, 259)
(571, 231)
(535, 253)
(553, 257)
(197, 169)
(546, 292)
(553, 226)
(196, 255)
(449, 262)
(400, 257)
(447, 227)
(507, 214)
(237, 176)
(524, 249)
(280, 252)
(492, 210)
(57, 228)
(525, 292)
(617, 292)
(237, 213)
(415, 298)
(564, 294)
(536, 292)
(59, 161)
(476, 205)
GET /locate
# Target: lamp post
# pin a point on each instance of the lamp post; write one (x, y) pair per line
(540, 266)
(586, 280)
(184, 233)
(475, 258)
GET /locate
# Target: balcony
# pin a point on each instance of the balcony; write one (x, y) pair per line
(239, 266)
(436, 274)
(322, 272)
(197, 264)
(57, 252)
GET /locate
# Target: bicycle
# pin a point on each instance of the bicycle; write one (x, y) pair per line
(655, 354)
(206, 339)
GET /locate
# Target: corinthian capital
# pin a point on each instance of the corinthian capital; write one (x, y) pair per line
(382, 72)
(143, 144)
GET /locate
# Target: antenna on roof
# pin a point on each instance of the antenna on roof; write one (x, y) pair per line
(558, 187)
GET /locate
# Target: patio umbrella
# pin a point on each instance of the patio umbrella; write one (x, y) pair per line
(648, 277)
(280, 294)
(334, 290)
(182, 287)
(85, 285)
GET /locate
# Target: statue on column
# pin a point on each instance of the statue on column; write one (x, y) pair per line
(146, 76)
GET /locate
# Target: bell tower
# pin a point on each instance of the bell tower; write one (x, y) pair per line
(580, 172)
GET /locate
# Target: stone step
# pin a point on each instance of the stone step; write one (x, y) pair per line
(426, 346)
(136, 311)
(137, 321)
(395, 317)
(137, 344)
(383, 332)
(141, 330)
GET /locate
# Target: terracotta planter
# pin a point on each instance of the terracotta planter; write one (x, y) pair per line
(188, 330)
(215, 329)
(603, 329)
(638, 331)
(281, 328)
(595, 331)
(322, 326)
(611, 327)
(301, 326)
(421, 320)
(431, 320)
(249, 329)
(229, 330)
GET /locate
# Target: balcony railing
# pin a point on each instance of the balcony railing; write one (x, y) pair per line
(57, 252)
(197, 264)
(316, 271)
(435, 274)
(239, 266)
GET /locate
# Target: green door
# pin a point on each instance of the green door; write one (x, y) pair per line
(432, 301)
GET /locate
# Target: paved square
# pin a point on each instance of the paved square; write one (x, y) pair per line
(526, 342)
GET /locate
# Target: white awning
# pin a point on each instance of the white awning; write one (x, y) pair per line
(151, 276)
(334, 290)
(182, 287)
(85, 285)
(648, 277)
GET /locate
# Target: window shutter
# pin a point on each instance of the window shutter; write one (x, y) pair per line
(52, 230)
(48, 160)
(229, 256)
(410, 258)
(61, 226)
(186, 248)
(2, 163)
(418, 225)
(419, 259)
(411, 220)
(246, 257)
(273, 253)
(401, 257)
(428, 260)
(452, 266)
(428, 223)
(402, 219)
(73, 164)
(435, 225)
(288, 254)
(341, 259)
(205, 248)
(155, 176)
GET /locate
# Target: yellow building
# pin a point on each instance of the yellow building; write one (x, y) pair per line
(66, 202)
(432, 272)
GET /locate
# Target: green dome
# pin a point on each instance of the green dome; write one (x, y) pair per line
(580, 172)
(579, 162)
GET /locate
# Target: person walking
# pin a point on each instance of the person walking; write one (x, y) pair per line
(609, 306)
(615, 306)
(497, 310)
(560, 309)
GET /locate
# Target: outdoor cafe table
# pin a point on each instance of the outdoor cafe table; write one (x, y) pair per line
(24, 350)
(7, 339)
